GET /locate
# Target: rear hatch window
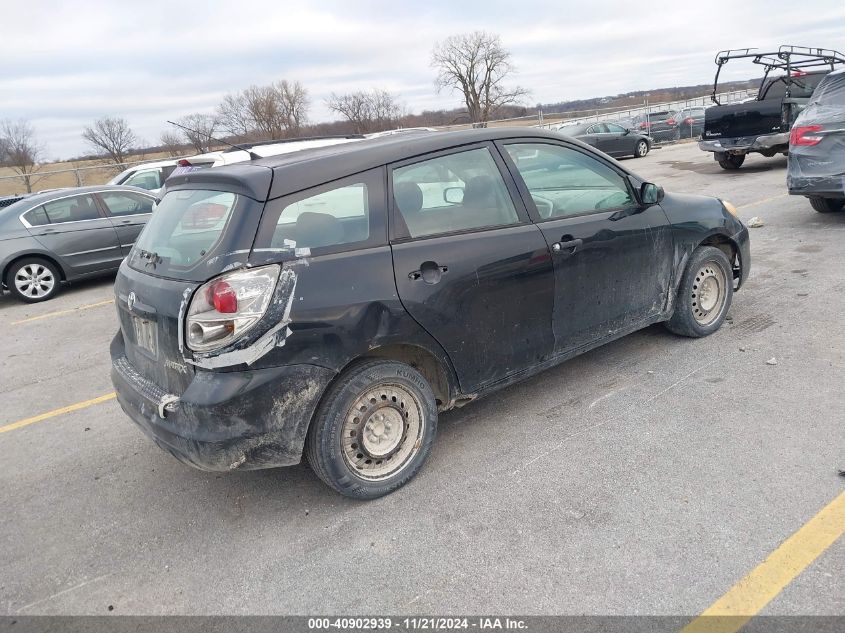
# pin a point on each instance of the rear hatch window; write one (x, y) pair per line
(194, 234)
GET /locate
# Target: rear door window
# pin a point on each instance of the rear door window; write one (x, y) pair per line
(126, 202)
(72, 209)
(455, 192)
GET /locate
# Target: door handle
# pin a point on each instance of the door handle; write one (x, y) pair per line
(568, 247)
(126, 221)
(429, 272)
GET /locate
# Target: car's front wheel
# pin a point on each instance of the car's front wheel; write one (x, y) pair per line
(826, 205)
(373, 429)
(705, 294)
(33, 279)
(640, 149)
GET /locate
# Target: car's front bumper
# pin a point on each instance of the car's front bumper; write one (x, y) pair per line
(744, 144)
(741, 239)
(225, 420)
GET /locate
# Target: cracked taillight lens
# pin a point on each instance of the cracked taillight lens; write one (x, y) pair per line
(226, 307)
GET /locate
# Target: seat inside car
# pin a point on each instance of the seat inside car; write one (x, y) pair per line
(318, 229)
(83, 209)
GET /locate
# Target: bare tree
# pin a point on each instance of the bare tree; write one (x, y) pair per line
(477, 65)
(172, 143)
(233, 116)
(273, 111)
(112, 137)
(199, 130)
(371, 111)
(19, 150)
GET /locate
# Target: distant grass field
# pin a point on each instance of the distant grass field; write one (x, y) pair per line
(55, 175)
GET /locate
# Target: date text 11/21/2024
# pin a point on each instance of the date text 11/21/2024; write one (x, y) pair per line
(419, 623)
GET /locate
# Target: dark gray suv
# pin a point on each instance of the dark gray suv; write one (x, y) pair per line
(68, 234)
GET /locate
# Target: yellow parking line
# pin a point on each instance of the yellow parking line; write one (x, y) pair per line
(748, 597)
(61, 312)
(52, 414)
(754, 204)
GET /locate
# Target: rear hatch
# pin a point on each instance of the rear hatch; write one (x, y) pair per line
(742, 120)
(194, 234)
(817, 141)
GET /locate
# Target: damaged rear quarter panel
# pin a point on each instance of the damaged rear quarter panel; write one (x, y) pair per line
(344, 306)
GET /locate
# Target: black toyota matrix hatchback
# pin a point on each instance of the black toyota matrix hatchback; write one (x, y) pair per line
(330, 302)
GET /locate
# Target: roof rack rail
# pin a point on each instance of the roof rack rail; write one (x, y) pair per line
(787, 57)
(245, 146)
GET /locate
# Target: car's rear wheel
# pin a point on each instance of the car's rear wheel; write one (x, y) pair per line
(373, 429)
(826, 205)
(705, 294)
(640, 149)
(33, 279)
(730, 161)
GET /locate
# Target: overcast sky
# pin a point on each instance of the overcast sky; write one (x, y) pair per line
(64, 64)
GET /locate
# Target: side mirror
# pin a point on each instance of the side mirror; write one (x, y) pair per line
(650, 194)
(626, 132)
(453, 195)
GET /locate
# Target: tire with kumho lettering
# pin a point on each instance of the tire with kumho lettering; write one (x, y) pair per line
(373, 429)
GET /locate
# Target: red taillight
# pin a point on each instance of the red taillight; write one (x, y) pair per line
(670, 121)
(803, 135)
(688, 121)
(644, 125)
(184, 163)
(223, 297)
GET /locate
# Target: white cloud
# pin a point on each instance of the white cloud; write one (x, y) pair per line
(68, 63)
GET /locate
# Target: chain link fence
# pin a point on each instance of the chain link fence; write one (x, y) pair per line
(77, 175)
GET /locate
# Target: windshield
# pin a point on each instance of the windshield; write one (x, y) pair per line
(184, 230)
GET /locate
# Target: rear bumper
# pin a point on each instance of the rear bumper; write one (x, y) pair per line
(822, 186)
(225, 420)
(745, 144)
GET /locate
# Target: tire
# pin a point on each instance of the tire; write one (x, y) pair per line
(356, 415)
(641, 148)
(730, 161)
(827, 205)
(697, 311)
(33, 279)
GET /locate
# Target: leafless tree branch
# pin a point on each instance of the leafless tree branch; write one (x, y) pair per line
(20, 150)
(476, 65)
(111, 137)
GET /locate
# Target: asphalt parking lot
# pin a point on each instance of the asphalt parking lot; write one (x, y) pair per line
(646, 477)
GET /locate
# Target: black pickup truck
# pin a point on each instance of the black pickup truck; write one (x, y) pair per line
(761, 125)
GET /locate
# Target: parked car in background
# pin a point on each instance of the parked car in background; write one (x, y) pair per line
(332, 301)
(245, 151)
(655, 124)
(68, 234)
(149, 176)
(611, 138)
(817, 147)
(5, 201)
(762, 125)
(687, 123)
